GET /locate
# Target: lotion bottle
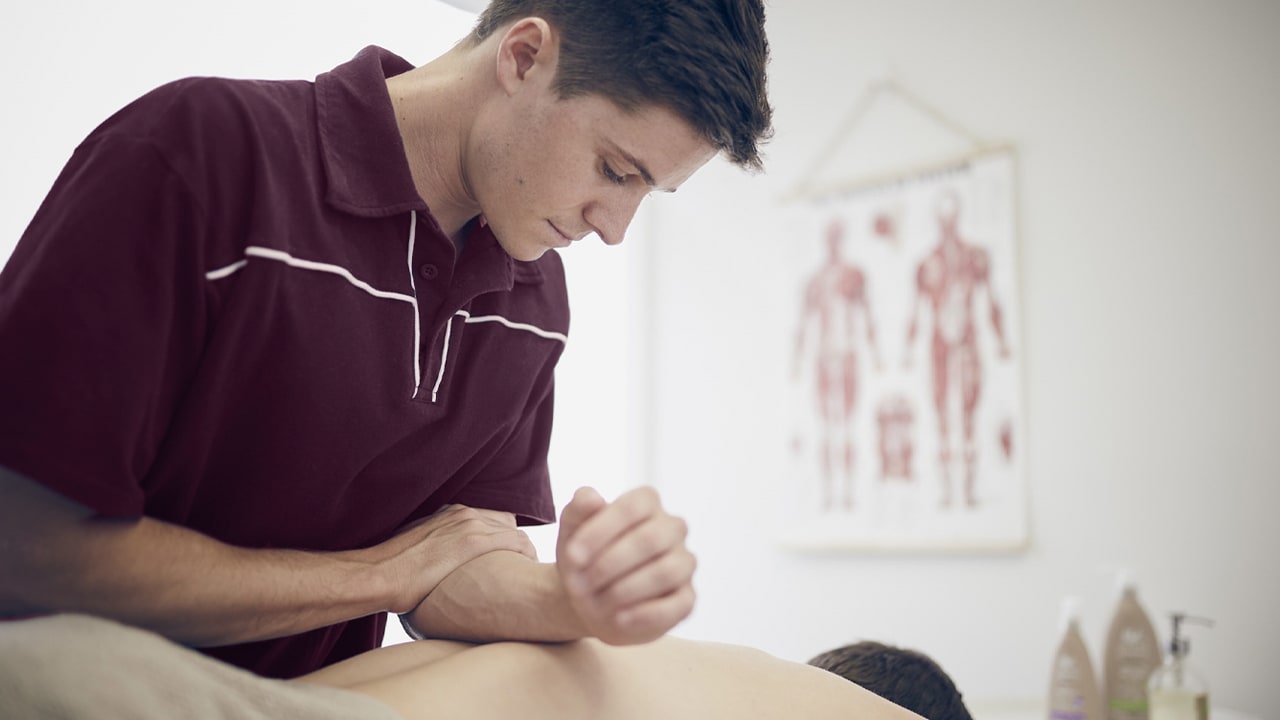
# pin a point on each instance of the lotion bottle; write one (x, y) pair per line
(1131, 654)
(1073, 689)
(1178, 691)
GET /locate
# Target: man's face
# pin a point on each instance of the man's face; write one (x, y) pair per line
(554, 170)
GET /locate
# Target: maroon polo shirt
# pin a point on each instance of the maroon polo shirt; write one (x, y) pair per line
(233, 312)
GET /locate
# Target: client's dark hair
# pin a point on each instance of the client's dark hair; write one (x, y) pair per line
(904, 677)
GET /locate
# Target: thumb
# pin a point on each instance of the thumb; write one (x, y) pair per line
(585, 503)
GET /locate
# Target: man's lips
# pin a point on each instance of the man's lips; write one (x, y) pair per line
(563, 236)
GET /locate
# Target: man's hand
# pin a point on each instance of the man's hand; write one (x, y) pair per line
(624, 565)
(423, 553)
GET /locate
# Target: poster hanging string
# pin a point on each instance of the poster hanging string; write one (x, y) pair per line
(865, 102)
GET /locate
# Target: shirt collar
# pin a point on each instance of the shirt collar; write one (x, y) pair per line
(365, 166)
(364, 159)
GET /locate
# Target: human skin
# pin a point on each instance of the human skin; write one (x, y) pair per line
(622, 574)
(58, 556)
(542, 170)
(670, 678)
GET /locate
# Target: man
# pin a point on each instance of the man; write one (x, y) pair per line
(276, 357)
(671, 678)
(907, 678)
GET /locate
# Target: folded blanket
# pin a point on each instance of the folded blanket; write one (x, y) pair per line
(76, 666)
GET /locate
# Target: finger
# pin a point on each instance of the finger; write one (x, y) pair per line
(464, 548)
(467, 513)
(639, 545)
(526, 547)
(518, 541)
(501, 517)
(443, 516)
(586, 502)
(604, 526)
(653, 619)
(469, 530)
(656, 579)
(460, 518)
(433, 558)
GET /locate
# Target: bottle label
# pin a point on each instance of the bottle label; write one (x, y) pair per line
(1129, 706)
(1179, 704)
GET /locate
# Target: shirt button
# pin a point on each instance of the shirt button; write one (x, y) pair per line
(428, 271)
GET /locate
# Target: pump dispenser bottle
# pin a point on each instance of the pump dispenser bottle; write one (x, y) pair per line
(1073, 690)
(1132, 653)
(1177, 691)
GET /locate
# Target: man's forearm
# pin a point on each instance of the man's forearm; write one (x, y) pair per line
(188, 586)
(498, 596)
(57, 556)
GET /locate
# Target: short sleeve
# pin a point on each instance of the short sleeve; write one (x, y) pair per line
(100, 324)
(517, 480)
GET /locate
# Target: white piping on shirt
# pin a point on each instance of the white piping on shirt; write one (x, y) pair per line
(284, 257)
(444, 358)
(548, 334)
(417, 324)
(225, 271)
(287, 259)
(467, 318)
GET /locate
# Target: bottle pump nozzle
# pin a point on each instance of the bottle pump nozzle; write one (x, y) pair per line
(1178, 645)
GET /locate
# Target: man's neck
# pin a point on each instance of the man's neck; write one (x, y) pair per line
(435, 107)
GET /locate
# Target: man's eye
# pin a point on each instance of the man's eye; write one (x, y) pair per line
(612, 176)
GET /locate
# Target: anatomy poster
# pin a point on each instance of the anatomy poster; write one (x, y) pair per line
(906, 427)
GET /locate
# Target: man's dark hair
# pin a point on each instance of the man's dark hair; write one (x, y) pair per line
(704, 60)
(904, 677)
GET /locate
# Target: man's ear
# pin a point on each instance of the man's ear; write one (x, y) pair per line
(528, 51)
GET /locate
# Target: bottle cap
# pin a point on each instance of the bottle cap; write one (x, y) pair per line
(1123, 578)
(1069, 612)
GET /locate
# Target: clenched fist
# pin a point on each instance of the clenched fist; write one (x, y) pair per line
(624, 565)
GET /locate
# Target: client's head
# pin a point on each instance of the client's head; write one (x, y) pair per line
(903, 677)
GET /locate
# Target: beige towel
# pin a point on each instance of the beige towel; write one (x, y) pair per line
(76, 666)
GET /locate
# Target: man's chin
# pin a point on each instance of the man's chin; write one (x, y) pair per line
(526, 253)
(522, 252)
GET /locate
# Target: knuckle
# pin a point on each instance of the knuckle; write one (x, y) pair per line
(647, 493)
(598, 573)
(667, 577)
(679, 572)
(648, 500)
(684, 610)
(681, 526)
(610, 598)
(649, 543)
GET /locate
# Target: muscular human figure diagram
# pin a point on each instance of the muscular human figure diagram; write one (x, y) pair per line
(835, 298)
(895, 422)
(947, 281)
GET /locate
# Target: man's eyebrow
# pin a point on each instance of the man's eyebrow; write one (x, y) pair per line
(640, 168)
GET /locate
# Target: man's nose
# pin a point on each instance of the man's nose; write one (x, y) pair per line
(611, 216)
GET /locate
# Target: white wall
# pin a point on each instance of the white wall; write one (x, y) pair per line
(71, 63)
(1146, 134)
